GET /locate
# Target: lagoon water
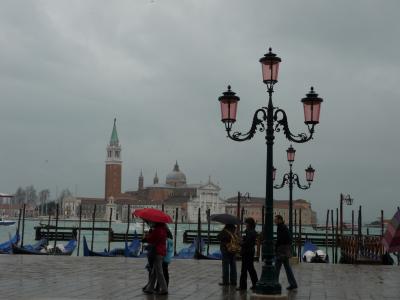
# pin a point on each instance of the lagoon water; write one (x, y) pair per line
(100, 241)
(101, 237)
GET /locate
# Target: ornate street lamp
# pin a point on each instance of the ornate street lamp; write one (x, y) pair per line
(290, 178)
(349, 201)
(269, 119)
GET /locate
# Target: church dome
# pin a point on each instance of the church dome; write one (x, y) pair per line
(176, 177)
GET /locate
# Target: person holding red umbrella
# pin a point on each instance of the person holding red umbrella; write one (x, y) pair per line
(157, 237)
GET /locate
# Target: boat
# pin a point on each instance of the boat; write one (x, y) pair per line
(6, 222)
(311, 253)
(190, 252)
(6, 247)
(131, 250)
(42, 248)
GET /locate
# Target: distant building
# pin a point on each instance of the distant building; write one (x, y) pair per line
(253, 208)
(175, 195)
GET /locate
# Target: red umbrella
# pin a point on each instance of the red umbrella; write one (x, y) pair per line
(391, 239)
(152, 215)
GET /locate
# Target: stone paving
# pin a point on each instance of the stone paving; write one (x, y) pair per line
(41, 277)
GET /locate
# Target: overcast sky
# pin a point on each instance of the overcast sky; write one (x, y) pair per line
(67, 68)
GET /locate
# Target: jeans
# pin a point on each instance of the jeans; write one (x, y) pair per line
(248, 266)
(229, 274)
(289, 273)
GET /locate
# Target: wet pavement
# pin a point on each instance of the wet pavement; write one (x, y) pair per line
(41, 277)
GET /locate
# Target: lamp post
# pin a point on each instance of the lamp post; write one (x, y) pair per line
(269, 119)
(289, 179)
(349, 201)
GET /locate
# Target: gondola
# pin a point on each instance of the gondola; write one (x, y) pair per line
(311, 254)
(190, 252)
(131, 250)
(6, 247)
(6, 222)
(41, 248)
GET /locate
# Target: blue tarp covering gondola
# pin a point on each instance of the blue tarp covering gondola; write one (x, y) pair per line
(133, 249)
(6, 247)
(190, 252)
(88, 252)
(40, 248)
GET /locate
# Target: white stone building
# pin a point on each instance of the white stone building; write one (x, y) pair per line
(207, 197)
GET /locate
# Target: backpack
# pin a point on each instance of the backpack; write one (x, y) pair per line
(234, 245)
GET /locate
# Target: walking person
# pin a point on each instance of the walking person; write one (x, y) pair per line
(283, 250)
(247, 252)
(227, 238)
(158, 238)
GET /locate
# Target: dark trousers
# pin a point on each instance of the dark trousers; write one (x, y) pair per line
(289, 273)
(165, 272)
(247, 266)
(157, 276)
(229, 274)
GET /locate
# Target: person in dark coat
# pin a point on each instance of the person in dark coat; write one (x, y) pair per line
(229, 274)
(283, 251)
(247, 252)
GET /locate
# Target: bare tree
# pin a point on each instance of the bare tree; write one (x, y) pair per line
(31, 195)
(20, 196)
(43, 197)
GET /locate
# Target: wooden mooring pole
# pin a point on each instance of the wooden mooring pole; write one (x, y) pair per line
(333, 238)
(208, 231)
(19, 220)
(93, 220)
(300, 233)
(241, 221)
(295, 225)
(79, 229)
(109, 229)
(56, 231)
(128, 217)
(176, 228)
(352, 222)
(337, 236)
(198, 241)
(48, 230)
(382, 223)
(326, 232)
(23, 225)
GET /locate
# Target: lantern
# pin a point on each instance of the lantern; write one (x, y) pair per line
(228, 107)
(312, 107)
(270, 67)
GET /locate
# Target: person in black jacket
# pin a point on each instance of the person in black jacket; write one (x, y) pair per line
(247, 252)
(283, 251)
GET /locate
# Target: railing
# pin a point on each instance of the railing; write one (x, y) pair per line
(362, 250)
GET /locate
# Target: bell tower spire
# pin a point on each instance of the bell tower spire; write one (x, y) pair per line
(113, 165)
(141, 181)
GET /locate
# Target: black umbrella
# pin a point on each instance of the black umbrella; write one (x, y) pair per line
(225, 219)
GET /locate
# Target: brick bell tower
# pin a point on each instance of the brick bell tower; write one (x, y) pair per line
(113, 166)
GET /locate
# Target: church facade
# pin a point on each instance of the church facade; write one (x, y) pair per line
(175, 196)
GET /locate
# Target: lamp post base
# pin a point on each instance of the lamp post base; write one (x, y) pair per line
(269, 297)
